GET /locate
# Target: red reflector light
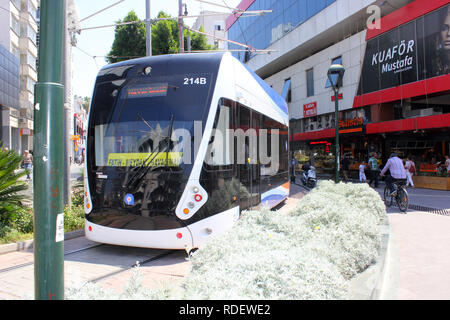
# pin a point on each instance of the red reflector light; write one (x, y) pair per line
(179, 235)
(198, 198)
(90, 228)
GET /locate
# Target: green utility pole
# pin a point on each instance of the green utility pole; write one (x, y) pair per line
(48, 157)
(335, 75)
(336, 126)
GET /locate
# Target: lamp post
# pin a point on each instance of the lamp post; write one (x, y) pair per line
(335, 75)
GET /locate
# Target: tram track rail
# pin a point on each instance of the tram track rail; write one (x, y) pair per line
(23, 265)
(136, 264)
(141, 262)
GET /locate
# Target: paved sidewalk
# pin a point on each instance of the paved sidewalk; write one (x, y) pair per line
(418, 257)
(417, 260)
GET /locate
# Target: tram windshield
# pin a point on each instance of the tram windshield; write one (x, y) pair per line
(148, 122)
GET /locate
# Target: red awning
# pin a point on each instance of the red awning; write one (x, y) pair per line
(314, 135)
(422, 123)
(414, 89)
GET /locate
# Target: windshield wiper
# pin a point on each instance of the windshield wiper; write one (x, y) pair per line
(144, 168)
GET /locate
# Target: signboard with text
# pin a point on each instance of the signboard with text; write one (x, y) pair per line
(355, 125)
(310, 110)
(415, 51)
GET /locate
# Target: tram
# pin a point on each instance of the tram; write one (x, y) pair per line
(178, 146)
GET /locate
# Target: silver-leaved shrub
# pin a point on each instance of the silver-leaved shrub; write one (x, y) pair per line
(310, 252)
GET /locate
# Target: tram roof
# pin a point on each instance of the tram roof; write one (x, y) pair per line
(181, 63)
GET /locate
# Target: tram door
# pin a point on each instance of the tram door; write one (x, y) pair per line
(254, 153)
(248, 169)
(242, 157)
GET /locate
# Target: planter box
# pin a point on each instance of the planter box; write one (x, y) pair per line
(437, 183)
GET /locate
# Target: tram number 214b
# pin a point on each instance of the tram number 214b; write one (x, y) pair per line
(194, 81)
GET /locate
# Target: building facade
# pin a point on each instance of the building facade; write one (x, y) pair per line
(396, 89)
(78, 130)
(18, 36)
(213, 23)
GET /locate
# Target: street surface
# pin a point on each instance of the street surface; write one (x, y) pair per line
(416, 265)
(107, 265)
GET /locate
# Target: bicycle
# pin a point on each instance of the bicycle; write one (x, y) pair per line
(401, 196)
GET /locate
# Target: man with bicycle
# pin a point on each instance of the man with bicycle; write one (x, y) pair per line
(397, 170)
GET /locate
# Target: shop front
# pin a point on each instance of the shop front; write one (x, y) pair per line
(318, 146)
(425, 140)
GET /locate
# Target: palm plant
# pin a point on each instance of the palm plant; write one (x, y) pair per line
(10, 185)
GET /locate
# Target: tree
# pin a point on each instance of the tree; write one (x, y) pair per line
(129, 40)
(86, 102)
(165, 36)
(198, 41)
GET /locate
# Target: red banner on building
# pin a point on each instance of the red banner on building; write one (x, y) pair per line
(310, 110)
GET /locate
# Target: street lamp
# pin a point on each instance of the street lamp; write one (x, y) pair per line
(335, 75)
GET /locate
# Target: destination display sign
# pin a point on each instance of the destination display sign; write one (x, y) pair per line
(147, 90)
(171, 159)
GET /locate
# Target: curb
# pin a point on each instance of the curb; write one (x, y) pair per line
(368, 284)
(28, 244)
(385, 234)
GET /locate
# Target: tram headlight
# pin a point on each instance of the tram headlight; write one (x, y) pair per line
(193, 198)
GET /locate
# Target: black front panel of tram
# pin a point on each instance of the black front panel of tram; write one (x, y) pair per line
(141, 138)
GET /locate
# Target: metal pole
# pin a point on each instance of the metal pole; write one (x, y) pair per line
(336, 124)
(48, 159)
(66, 78)
(180, 23)
(148, 28)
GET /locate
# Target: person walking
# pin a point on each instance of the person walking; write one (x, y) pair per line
(27, 162)
(410, 168)
(362, 174)
(294, 164)
(345, 168)
(447, 163)
(373, 166)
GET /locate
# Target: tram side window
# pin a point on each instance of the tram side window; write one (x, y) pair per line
(273, 147)
(218, 177)
(219, 155)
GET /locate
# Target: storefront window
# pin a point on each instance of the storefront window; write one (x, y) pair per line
(317, 153)
(428, 153)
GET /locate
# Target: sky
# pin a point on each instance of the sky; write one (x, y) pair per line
(94, 45)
